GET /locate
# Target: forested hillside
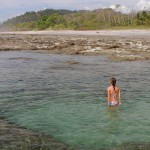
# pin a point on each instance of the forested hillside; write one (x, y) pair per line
(28, 20)
(78, 20)
(35, 16)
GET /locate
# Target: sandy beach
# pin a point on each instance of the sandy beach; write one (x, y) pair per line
(117, 45)
(122, 33)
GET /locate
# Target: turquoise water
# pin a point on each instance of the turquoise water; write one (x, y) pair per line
(40, 91)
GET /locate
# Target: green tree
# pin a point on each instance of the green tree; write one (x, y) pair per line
(51, 21)
(143, 18)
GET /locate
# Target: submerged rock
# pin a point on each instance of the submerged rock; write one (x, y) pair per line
(17, 138)
(72, 62)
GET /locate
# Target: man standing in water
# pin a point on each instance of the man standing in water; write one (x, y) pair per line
(113, 93)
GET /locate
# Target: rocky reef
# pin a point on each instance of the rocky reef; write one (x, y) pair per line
(114, 47)
(17, 138)
(13, 137)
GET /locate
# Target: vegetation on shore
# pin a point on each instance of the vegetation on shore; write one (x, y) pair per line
(78, 20)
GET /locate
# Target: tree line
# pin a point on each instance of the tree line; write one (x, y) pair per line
(78, 20)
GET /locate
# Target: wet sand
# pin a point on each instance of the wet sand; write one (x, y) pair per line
(122, 33)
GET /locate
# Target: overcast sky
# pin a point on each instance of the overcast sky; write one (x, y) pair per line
(11, 8)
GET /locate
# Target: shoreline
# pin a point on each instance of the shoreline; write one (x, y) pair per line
(111, 32)
(117, 45)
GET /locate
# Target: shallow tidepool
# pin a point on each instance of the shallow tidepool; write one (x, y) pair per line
(42, 92)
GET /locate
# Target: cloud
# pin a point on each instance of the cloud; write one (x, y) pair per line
(120, 8)
(1, 20)
(6, 4)
(33, 3)
(87, 8)
(9, 8)
(143, 5)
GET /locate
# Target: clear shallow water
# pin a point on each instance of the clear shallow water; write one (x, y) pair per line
(42, 92)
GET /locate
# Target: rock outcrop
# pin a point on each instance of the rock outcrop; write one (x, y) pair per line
(116, 48)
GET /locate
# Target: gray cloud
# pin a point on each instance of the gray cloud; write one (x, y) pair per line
(9, 8)
(143, 5)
